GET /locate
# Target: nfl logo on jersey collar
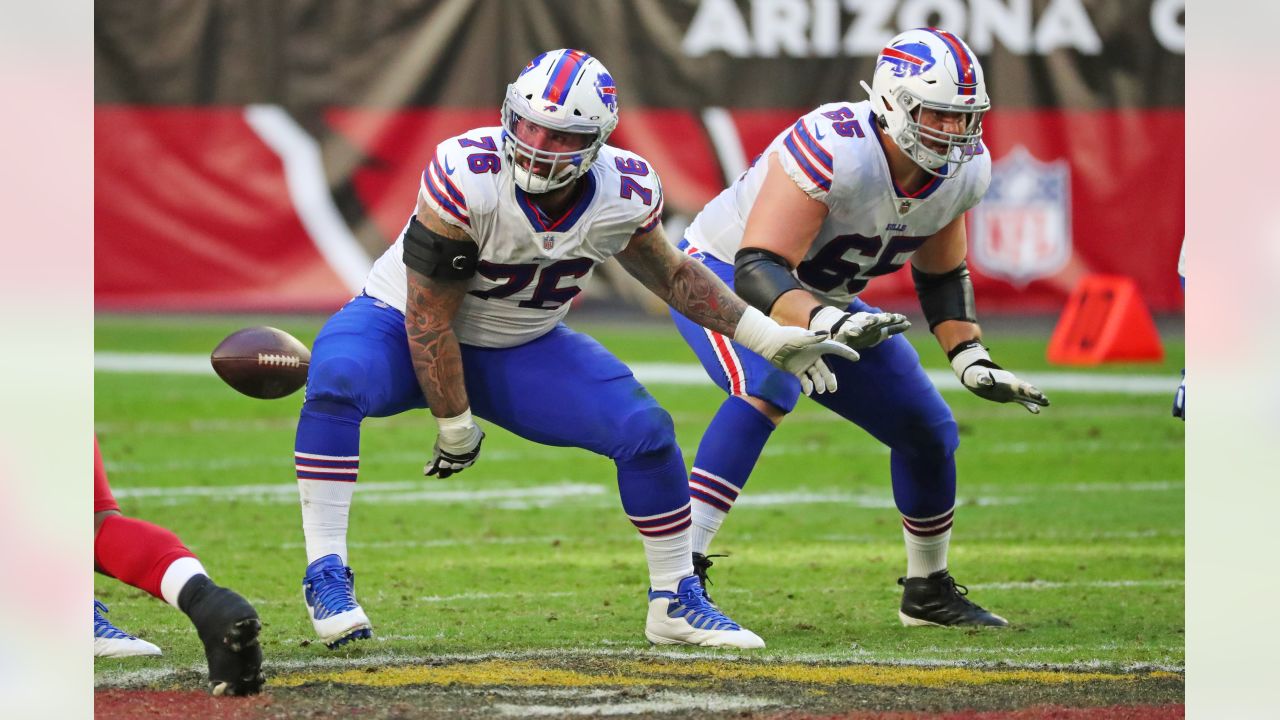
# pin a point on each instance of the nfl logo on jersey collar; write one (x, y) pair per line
(548, 242)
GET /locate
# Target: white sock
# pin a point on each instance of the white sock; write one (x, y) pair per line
(326, 505)
(176, 577)
(670, 560)
(704, 528)
(926, 555)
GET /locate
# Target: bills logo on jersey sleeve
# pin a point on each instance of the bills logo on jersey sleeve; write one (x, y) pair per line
(607, 90)
(1021, 231)
(907, 59)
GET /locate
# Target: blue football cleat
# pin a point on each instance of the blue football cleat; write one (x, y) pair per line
(111, 641)
(329, 591)
(686, 617)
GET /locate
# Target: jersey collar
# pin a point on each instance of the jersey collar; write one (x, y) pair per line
(542, 223)
(926, 190)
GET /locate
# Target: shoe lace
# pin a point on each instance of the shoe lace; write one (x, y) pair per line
(700, 613)
(335, 589)
(701, 564)
(102, 627)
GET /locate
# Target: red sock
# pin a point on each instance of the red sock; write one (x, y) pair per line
(137, 552)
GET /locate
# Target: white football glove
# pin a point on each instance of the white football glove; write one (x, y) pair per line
(457, 445)
(858, 330)
(988, 380)
(794, 349)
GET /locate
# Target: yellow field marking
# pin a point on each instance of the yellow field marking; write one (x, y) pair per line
(694, 673)
(488, 672)
(870, 674)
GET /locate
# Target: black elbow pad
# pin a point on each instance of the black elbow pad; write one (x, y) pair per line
(760, 277)
(947, 296)
(436, 256)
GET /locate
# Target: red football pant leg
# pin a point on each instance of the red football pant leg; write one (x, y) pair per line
(102, 497)
(131, 550)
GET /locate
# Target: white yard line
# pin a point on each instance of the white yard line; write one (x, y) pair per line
(106, 677)
(688, 374)
(492, 596)
(1052, 585)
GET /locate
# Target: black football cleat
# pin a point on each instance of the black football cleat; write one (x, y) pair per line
(939, 600)
(701, 564)
(228, 626)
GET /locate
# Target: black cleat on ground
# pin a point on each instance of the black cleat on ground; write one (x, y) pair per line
(228, 626)
(939, 600)
(701, 564)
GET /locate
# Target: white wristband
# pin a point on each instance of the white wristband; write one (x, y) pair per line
(967, 357)
(753, 327)
(458, 429)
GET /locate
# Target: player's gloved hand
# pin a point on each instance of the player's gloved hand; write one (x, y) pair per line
(1180, 399)
(457, 445)
(857, 330)
(794, 349)
(990, 381)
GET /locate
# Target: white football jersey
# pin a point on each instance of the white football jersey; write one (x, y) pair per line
(530, 266)
(872, 228)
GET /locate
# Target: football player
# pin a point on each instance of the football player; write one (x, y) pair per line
(851, 191)
(153, 559)
(463, 315)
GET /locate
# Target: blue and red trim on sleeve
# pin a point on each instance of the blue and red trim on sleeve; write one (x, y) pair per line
(813, 159)
(444, 192)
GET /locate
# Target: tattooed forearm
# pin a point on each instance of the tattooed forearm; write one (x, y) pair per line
(437, 358)
(702, 297)
(684, 283)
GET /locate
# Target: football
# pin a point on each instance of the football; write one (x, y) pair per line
(262, 362)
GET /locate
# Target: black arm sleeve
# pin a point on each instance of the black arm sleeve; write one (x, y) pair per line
(760, 277)
(948, 296)
(437, 256)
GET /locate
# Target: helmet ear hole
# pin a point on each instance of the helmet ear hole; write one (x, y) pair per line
(577, 112)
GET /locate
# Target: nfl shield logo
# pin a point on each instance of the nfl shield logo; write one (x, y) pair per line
(548, 242)
(1021, 231)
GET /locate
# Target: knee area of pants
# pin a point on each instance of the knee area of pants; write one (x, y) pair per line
(649, 430)
(936, 440)
(336, 378)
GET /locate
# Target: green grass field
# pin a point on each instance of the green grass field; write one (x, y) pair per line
(1070, 524)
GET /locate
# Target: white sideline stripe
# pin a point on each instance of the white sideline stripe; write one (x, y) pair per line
(1028, 535)
(664, 701)
(459, 542)
(152, 676)
(305, 178)
(1052, 585)
(426, 491)
(510, 498)
(492, 596)
(657, 373)
(289, 493)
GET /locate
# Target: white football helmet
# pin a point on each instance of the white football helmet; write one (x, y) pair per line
(566, 90)
(934, 69)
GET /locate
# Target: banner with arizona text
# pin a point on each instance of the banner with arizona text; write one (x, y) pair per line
(259, 155)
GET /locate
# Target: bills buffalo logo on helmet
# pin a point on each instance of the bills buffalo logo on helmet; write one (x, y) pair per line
(608, 92)
(907, 59)
(533, 63)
